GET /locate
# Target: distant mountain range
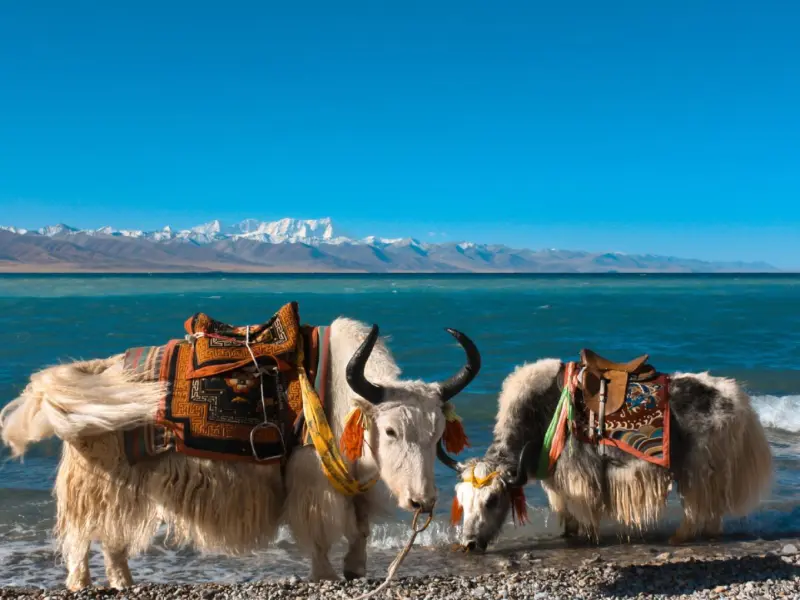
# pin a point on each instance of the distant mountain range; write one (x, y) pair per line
(294, 245)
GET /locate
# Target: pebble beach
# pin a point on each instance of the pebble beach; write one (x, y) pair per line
(743, 570)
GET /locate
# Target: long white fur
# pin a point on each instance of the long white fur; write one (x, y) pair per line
(78, 399)
(219, 505)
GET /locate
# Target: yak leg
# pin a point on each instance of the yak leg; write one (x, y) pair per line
(572, 493)
(76, 557)
(712, 528)
(558, 505)
(687, 529)
(321, 567)
(117, 571)
(355, 561)
(571, 526)
(587, 517)
(316, 513)
(694, 524)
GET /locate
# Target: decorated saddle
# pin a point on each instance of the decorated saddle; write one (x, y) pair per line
(233, 392)
(624, 405)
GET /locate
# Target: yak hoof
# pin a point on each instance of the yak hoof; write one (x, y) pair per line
(677, 540)
(350, 575)
(570, 532)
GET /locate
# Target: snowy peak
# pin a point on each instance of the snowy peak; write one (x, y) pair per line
(295, 231)
(12, 229)
(212, 229)
(379, 242)
(319, 231)
(52, 230)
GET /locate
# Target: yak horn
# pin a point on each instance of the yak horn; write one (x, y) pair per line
(355, 370)
(460, 380)
(525, 458)
(446, 459)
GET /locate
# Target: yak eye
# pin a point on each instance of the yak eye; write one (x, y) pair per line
(391, 432)
(491, 502)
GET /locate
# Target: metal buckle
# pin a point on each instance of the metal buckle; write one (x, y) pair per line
(266, 425)
(271, 370)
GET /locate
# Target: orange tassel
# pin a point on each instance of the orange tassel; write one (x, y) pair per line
(455, 439)
(519, 508)
(352, 442)
(456, 512)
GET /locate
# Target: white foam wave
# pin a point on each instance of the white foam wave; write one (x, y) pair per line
(778, 412)
(392, 536)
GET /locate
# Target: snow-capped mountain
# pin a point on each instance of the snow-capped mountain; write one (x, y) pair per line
(12, 229)
(297, 245)
(284, 231)
(59, 229)
(294, 231)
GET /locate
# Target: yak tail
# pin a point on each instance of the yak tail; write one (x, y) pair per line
(79, 399)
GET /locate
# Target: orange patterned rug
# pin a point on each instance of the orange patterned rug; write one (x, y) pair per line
(214, 402)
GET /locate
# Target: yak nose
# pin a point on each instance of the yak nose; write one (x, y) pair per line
(423, 504)
(474, 546)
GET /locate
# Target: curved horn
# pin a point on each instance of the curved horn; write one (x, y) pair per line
(446, 459)
(460, 380)
(355, 370)
(525, 458)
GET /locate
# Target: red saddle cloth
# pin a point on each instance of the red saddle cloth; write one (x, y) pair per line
(214, 398)
(639, 427)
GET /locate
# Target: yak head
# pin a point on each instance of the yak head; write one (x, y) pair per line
(486, 494)
(404, 420)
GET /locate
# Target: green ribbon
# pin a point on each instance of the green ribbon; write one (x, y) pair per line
(544, 457)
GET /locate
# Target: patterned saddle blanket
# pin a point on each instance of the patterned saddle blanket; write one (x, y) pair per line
(637, 422)
(214, 407)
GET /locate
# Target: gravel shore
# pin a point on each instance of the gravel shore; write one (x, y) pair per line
(771, 574)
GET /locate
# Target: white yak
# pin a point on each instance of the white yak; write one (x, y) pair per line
(232, 507)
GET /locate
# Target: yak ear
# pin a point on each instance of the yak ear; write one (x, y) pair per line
(366, 407)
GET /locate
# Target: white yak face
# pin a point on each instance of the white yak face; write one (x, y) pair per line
(403, 432)
(405, 419)
(485, 506)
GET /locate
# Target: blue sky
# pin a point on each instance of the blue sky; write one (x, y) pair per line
(666, 127)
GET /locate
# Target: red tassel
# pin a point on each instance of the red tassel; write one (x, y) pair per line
(352, 442)
(519, 508)
(455, 439)
(456, 512)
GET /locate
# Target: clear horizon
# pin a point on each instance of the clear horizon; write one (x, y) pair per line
(667, 130)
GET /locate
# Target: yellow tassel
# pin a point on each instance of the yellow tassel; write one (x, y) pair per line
(456, 512)
(352, 442)
(331, 461)
(455, 438)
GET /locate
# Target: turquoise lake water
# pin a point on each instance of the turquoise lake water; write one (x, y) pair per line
(747, 327)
